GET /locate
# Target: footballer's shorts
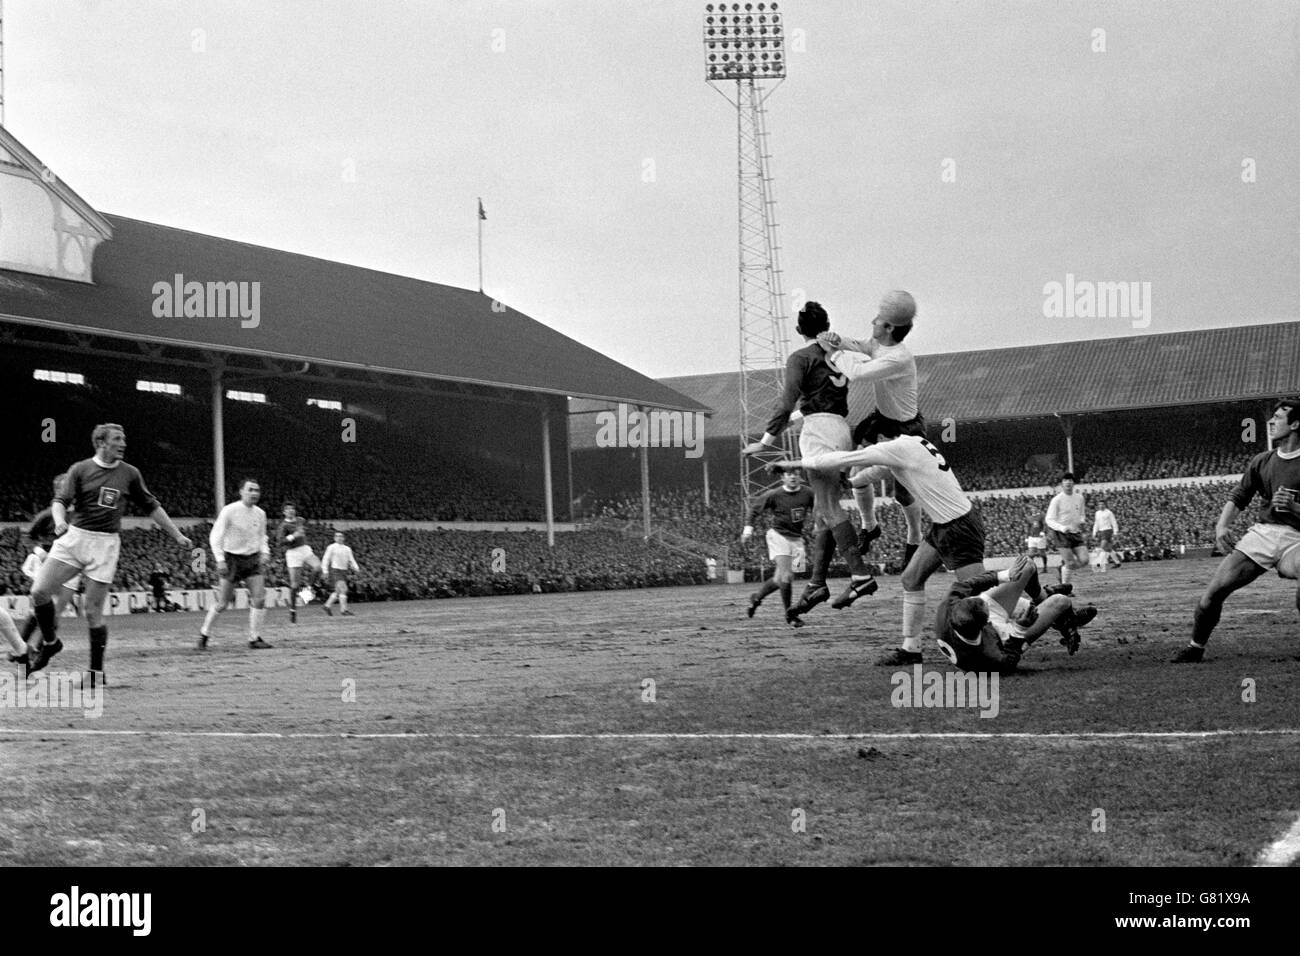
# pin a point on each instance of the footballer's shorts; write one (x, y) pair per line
(1064, 540)
(1273, 546)
(824, 432)
(1104, 539)
(337, 575)
(241, 566)
(1005, 624)
(93, 553)
(778, 546)
(1036, 542)
(987, 653)
(959, 542)
(876, 427)
(297, 557)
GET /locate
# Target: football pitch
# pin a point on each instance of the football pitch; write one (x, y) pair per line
(664, 727)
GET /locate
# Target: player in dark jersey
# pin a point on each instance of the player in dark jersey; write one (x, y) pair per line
(1272, 542)
(789, 506)
(986, 622)
(41, 536)
(821, 392)
(98, 489)
(293, 531)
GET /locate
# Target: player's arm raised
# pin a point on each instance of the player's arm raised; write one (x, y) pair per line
(794, 371)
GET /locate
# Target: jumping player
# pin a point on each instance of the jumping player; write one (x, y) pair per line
(1065, 517)
(819, 389)
(789, 506)
(338, 561)
(41, 536)
(956, 536)
(98, 488)
(891, 369)
(986, 622)
(296, 553)
(242, 552)
(1272, 542)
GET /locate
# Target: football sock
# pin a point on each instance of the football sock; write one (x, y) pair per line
(846, 540)
(913, 619)
(866, 507)
(823, 552)
(206, 629)
(768, 587)
(29, 627)
(785, 594)
(255, 615)
(98, 641)
(1203, 623)
(1065, 573)
(1033, 587)
(44, 614)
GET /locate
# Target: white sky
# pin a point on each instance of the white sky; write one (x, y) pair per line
(1117, 166)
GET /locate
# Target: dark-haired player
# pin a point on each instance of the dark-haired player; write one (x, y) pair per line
(41, 536)
(1272, 542)
(98, 488)
(296, 554)
(820, 390)
(1065, 517)
(789, 506)
(890, 367)
(986, 622)
(242, 552)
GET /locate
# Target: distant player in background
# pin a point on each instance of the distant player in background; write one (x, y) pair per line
(98, 489)
(296, 554)
(242, 552)
(1036, 542)
(1272, 542)
(820, 390)
(158, 581)
(1104, 529)
(1066, 514)
(789, 506)
(338, 561)
(891, 369)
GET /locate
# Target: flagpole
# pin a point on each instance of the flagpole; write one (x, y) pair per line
(479, 217)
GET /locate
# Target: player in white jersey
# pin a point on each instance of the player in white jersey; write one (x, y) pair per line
(890, 367)
(242, 552)
(337, 562)
(956, 536)
(1104, 529)
(1065, 521)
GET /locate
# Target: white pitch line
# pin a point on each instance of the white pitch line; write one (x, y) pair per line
(451, 735)
(1284, 851)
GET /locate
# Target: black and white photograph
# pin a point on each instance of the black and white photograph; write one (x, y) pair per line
(651, 433)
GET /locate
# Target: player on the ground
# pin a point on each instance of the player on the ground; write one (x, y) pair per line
(296, 553)
(98, 489)
(1104, 529)
(242, 552)
(1066, 514)
(891, 369)
(337, 562)
(1272, 542)
(956, 536)
(986, 622)
(789, 505)
(821, 391)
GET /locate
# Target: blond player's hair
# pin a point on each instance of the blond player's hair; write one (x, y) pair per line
(101, 432)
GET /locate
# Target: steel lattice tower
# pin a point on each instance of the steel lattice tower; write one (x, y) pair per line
(745, 44)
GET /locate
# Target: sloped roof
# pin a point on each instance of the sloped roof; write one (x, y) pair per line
(320, 311)
(1206, 366)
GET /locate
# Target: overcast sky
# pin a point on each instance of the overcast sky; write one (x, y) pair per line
(364, 132)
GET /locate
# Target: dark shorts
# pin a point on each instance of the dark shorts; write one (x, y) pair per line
(876, 427)
(959, 542)
(241, 566)
(337, 575)
(1105, 537)
(1068, 540)
(988, 655)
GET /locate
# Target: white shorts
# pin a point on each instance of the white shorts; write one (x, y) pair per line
(1000, 620)
(778, 545)
(1273, 546)
(93, 553)
(303, 554)
(1037, 544)
(824, 432)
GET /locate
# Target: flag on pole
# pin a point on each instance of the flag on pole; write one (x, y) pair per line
(481, 213)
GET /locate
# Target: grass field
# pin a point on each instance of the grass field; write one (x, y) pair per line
(239, 757)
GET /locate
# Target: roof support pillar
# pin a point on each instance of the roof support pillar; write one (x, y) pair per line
(645, 485)
(546, 474)
(1067, 425)
(218, 439)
